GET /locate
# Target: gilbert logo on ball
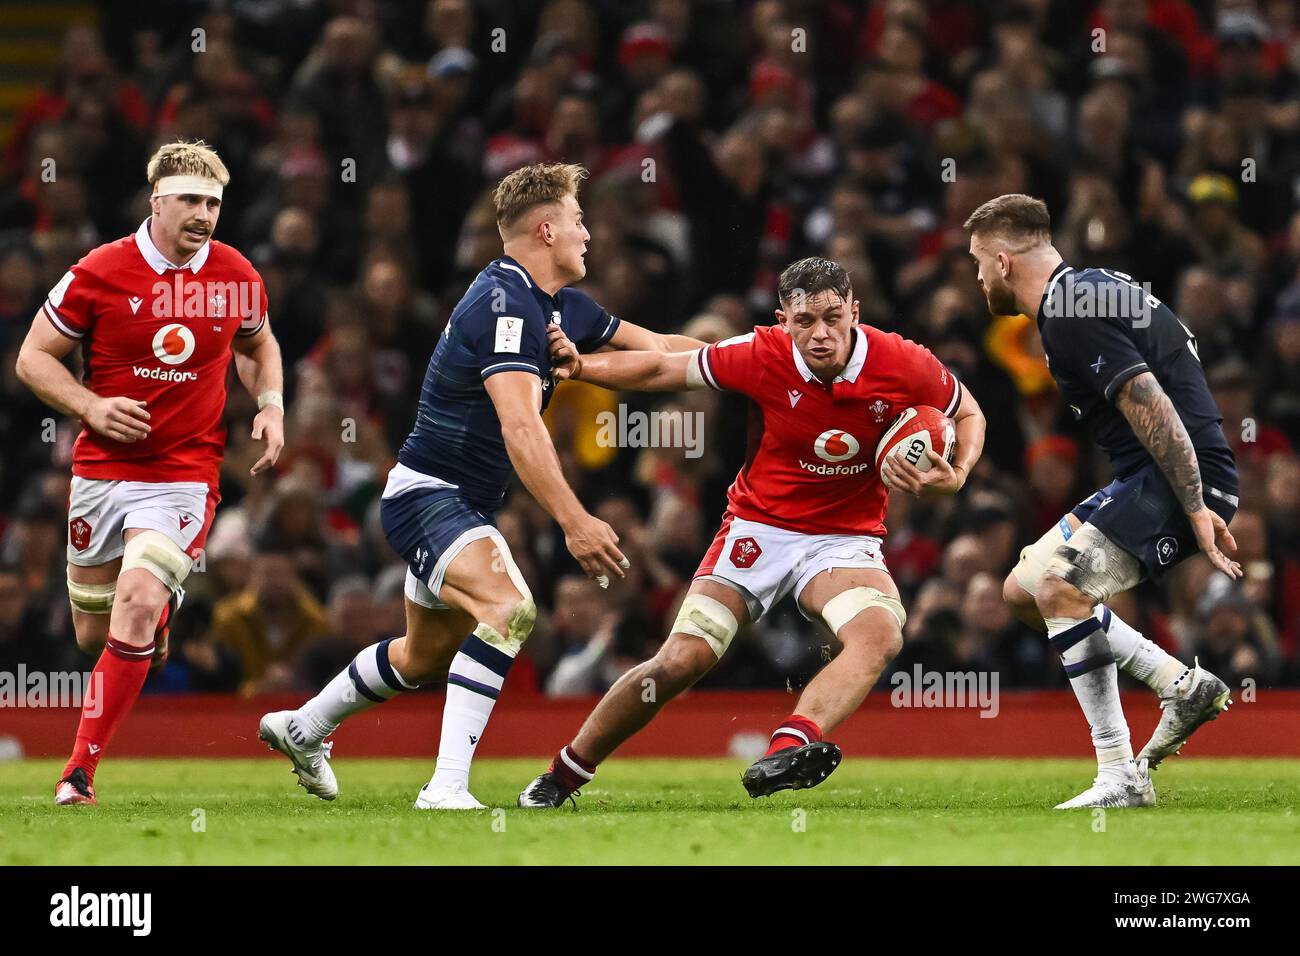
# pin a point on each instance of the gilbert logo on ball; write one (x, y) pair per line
(917, 431)
(173, 344)
(835, 445)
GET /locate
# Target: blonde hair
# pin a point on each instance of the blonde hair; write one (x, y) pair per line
(1015, 218)
(533, 186)
(187, 159)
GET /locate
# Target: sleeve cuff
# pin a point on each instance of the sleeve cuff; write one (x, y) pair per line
(244, 333)
(706, 372)
(60, 324)
(955, 402)
(610, 328)
(1113, 387)
(510, 367)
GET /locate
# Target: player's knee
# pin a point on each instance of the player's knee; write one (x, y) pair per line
(136, 610)
(868, 617)
(508, 622)
(92, 635)
(1057, 597)
(91, 605)
(1014, 594)
(708, 619)
(681, 662)
(879, 635)
(889, 642)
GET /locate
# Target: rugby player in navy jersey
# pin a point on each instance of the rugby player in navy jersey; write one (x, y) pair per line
(479, 423)
(1129, 369)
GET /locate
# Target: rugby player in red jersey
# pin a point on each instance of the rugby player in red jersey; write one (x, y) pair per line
(157, 315)
(805, 516)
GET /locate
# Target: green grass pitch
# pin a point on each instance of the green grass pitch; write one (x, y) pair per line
(1212, 811)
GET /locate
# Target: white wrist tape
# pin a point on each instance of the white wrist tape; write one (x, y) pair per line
(270, 398)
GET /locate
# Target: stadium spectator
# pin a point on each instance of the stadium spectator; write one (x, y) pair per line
(269, 623)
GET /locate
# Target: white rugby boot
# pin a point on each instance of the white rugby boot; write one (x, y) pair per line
(453, 797)
(281, 732)
(1200, 699)
(1131, 789)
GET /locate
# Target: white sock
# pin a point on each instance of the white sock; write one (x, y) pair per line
(370, 679)
(477, 672)
(1135, 655)
(1090, 665)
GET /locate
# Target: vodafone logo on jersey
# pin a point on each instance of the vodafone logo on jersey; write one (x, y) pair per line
(835, 445)
(173, 344)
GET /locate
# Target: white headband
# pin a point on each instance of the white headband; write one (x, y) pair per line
(187, 185)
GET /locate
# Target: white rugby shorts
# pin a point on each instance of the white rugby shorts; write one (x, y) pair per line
(767, 562)
(100, 510)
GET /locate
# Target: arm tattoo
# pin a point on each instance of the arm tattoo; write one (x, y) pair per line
(1155, 421)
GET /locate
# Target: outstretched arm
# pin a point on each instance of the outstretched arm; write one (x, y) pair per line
(517, 398)
(622, 371)
(629, 337)
(1156, 424)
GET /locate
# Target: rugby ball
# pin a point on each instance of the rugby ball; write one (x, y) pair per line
(915, 432)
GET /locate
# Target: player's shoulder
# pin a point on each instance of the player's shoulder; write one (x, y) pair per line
(502, 288)
(891, 349)
(1089, 293)
(764, 339)
(1094, 276)
(226, 259)
(110, 257)
(571, 298)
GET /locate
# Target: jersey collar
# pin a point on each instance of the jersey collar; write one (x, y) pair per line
(160, 263)
(548, 302)
(506, 262)
(851, 371)
(1050, 289)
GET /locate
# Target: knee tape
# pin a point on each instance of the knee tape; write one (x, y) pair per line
(518, 626)
(91, 598)
(706, 617)
(160, 556)
(847, 605)
(1094, 564)
(1034, 559)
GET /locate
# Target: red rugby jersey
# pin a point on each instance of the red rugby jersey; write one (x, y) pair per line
(811, 464)
(162, 334)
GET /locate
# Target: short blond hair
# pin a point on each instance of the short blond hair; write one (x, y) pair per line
(533, 186)
(187, 159)
(1015, 218)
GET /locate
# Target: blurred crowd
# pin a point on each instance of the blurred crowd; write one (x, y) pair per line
(724, 141)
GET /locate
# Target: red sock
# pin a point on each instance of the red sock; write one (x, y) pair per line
(572, 770)
(795, 731)
(114, 685)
